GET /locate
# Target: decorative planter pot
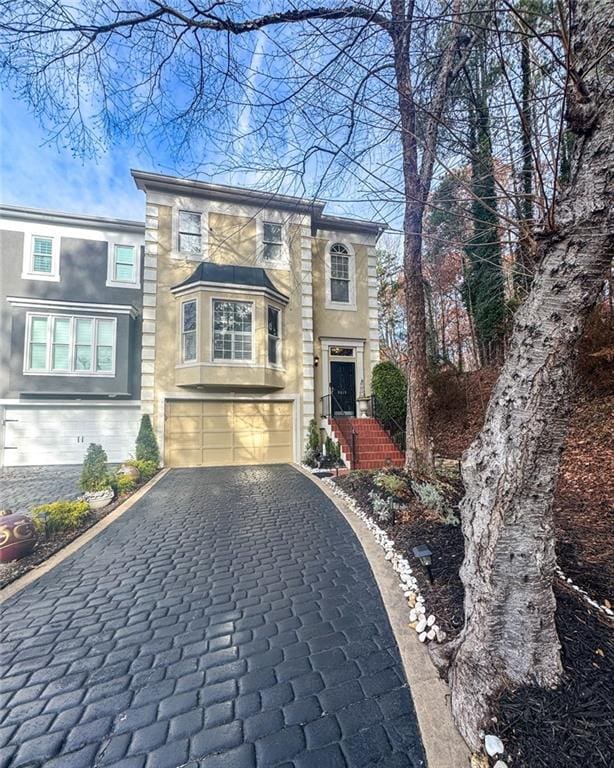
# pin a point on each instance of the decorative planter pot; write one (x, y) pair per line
(17, 537)
(363, 407)
(129, 471)
(99, 499)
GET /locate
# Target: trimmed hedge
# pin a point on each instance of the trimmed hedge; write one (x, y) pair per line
(389, 386)
(146, 443)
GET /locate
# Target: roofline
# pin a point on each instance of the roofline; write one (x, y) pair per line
(159, 182)
(230, 287)
(68, 219)
(345, 224)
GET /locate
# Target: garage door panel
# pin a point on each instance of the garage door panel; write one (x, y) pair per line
(186, 424)
(184, 408)
(61, 434)
(230, 433)
(185, 457)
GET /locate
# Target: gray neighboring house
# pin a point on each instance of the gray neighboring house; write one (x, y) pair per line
(71, 303)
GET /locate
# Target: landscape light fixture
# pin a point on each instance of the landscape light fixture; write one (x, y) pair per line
(424, 554)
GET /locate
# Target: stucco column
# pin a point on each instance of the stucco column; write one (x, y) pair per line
(325, 363)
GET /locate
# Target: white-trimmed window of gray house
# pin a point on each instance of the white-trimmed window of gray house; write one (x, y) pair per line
(70, 345)
(41, 258)
(232, 330)
(124, 265)
(188, 331)
(272, 241)
(189, 234)
(274, 335)
(339, 274)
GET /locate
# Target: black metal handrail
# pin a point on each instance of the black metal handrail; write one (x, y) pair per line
(388, 423)
(328, 405)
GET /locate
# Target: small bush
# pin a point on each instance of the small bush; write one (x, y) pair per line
(146, 443)
(393, 484)
(313, 438)
(147, 468)
(124, 484)
(59, 516)
(333, 449)
(433, 498)
(390, 389)
(384, 509)
(311, 457)
(94, 475)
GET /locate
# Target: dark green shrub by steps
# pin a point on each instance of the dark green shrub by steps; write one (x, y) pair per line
(389, 386)
(95, 474)
(146, 443)
(59, 516)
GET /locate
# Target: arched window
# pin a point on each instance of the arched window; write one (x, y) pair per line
(339, 273)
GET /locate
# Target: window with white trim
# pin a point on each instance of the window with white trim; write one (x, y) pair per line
(42, 255)
(124, 264)
(339, 273)
(189, 232)
(70, 345)
(188, 331)
(272, 239)
(232, 330)
(274, 335)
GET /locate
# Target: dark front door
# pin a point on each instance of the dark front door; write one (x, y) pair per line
(343, 381)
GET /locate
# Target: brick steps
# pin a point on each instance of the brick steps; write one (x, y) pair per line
(374, 448)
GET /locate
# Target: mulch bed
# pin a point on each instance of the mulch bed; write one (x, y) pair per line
(45, 548)
(572, 725)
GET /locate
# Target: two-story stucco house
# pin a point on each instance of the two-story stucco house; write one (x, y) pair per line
(254, 304)
(70, 335)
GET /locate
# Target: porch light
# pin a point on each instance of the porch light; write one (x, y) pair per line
(424, 554)
(316, 360)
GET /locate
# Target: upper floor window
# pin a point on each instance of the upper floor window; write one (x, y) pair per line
(339, 273)
(42, 255)
(232, 330)
(188, 331)
(41, 258)
(272, 241)
(73, 346)
(274, 335)
(190, 236)
(124, 264)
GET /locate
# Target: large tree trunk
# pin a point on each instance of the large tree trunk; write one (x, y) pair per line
(419, 452)
(510, 471)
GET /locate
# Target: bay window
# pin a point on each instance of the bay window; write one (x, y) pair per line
(232, 330)
(274, 335)
(188, 331)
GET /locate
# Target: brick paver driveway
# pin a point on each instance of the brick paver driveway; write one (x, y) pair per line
(229, 619)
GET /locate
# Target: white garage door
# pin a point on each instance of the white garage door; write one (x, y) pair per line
(61, 434)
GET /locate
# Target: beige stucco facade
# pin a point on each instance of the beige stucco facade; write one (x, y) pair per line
(311, 325)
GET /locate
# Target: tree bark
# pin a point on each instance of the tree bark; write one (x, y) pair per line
(510, 471)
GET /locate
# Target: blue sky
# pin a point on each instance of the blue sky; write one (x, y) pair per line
(36, 172)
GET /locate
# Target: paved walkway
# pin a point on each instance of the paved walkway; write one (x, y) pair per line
(228, 620)
(22, 488)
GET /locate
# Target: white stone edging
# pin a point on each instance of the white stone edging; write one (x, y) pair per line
(425, 624)
(584, 594)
